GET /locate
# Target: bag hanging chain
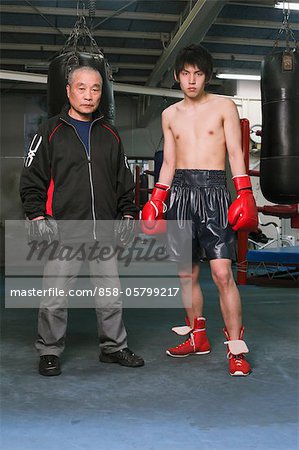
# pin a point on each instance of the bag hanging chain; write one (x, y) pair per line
(286, 28)
(80, 31)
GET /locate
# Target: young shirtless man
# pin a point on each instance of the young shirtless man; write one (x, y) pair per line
(198, 131)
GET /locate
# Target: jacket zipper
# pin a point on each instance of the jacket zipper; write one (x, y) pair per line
(93, 212)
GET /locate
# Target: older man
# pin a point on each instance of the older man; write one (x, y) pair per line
(83, 158)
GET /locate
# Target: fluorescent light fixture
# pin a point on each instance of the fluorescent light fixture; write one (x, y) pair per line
(287, 5)
(237, 76)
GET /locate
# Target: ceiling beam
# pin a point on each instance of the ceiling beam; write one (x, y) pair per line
(130, 78)
(144, 35)
(246, 23)
(117, 78)
(128, 65)
(237, 57)
(57, 48)
(104, 13)
(43, 65)
(244, 41)
(127, 51)
(96, 33)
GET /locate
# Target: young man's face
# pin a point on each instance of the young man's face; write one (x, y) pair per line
(192, 81)
(84, 94)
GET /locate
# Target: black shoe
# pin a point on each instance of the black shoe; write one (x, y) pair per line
(49, 365)
(124, 357)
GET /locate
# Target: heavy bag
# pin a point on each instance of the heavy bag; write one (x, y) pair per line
(59, 69)
(279, 168)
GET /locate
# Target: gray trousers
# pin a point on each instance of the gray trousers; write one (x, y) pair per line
(52, 317)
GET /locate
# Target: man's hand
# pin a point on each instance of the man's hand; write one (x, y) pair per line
(152, 215)
(125, 230)
(242, 213)
(42, 229)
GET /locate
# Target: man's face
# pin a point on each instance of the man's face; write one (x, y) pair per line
(192, 81)
(84, 94)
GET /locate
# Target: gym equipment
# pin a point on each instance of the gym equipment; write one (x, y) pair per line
(280, 136)
(72, 56)
(280, 265)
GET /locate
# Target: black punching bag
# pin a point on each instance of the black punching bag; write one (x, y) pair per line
(279, 169)
(59, 69)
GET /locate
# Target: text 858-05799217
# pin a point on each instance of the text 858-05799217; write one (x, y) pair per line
(140, 292)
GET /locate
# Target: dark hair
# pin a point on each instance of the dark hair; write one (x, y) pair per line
(195, 55)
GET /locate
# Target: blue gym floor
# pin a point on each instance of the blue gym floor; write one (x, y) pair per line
(190, 403)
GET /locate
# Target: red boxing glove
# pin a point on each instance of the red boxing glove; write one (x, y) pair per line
(242, 213)
(152, 215)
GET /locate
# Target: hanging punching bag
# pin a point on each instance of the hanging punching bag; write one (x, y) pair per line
(279, 168)
(72, 56)
(59, 69)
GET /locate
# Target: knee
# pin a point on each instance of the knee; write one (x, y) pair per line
(222, 278)
(187, 277)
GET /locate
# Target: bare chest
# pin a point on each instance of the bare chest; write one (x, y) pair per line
(197, 128)
(199, 140)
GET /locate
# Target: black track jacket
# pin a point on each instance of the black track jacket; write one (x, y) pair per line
(98, 187)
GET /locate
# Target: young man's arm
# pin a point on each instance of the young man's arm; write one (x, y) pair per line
(233, 138)
(169, 157)
(242, 214)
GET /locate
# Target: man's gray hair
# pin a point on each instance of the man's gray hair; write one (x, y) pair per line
(70, 77)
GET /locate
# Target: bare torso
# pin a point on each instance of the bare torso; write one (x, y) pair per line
(198, 133)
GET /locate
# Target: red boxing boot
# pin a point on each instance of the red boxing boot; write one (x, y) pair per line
(237, 364)
(196, 344)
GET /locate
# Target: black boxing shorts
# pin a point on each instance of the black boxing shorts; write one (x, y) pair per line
(198, 205)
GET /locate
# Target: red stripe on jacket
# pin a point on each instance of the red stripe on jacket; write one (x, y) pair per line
(53, 132)
(50, 192)
(111, 131)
